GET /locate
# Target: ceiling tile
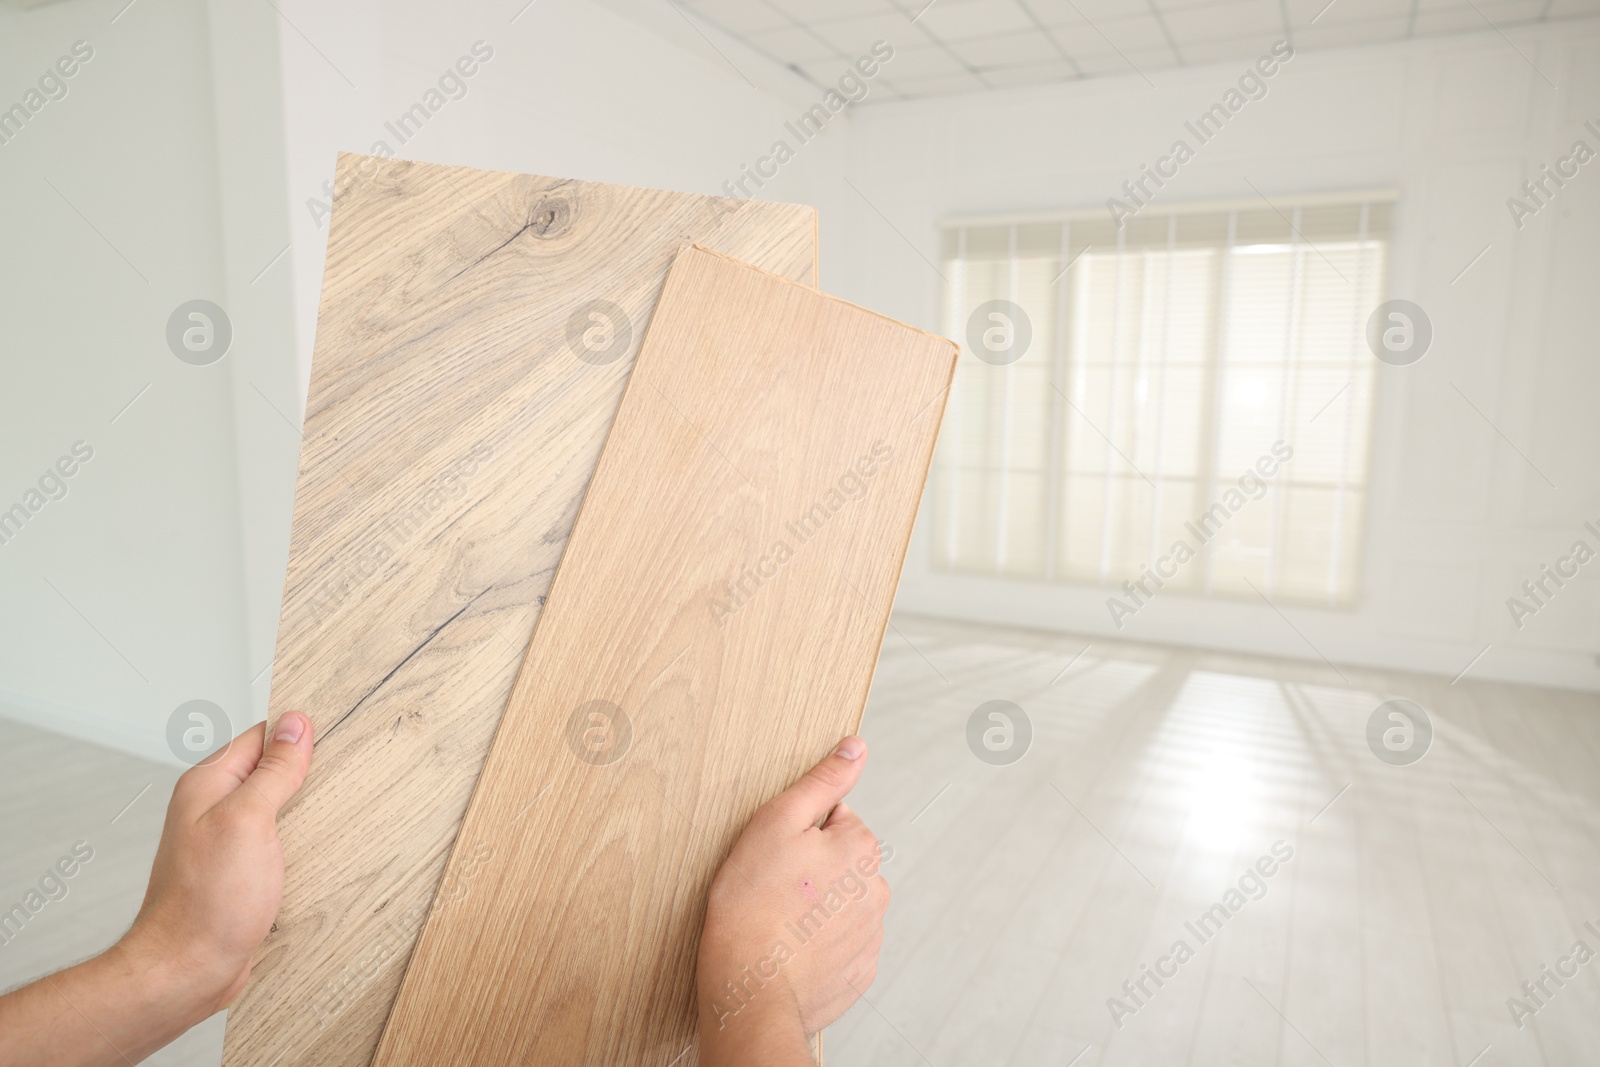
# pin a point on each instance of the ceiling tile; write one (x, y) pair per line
(1485, 12)
(1454, 21)
(951, 83)
(1302, 12)
(1514, 12)
(1229, 21)
(1310, 15)
(1032, 74)
(1109, 65)
(810, 11)
(1080, 39)
(855, 36)
(1138, 33)
(739, 17)
(926, 61)
(1007, 50)
(1108, 37)
(826, 74)
(886, 92)
(1134, 64)
(1492, 8)
(946, 46)
(1057, 11)
(1239, 50)
(956, 19)
(1328, 34)
(1148, 59)
(792, 45)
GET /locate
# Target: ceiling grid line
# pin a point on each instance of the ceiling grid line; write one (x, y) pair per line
(936, 39)
(1172, 42)
(1055, 42)
(954, 46)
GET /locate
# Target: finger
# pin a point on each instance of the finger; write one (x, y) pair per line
(858, 975)
(208, 782)
(862, 971)
(284, 764)
(843, 817)
(867, 958)
(803, 804)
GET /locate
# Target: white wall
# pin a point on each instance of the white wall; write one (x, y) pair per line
(144, 548)
(197, 134)
(192, 141)
(1457, 518)
(259, 273)
(572, 89)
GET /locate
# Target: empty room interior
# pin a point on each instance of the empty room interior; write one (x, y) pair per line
(1156, 428)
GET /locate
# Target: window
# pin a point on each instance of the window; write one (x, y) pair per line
(1117, 384)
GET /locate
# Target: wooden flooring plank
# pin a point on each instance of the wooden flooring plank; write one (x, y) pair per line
(451, 429)
(1432, 967)
(771, 436)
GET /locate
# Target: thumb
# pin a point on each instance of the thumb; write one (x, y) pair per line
(284, 761)
(804, 804)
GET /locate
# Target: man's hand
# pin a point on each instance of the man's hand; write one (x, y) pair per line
(794, 922)
(218, 873)
(213, 894)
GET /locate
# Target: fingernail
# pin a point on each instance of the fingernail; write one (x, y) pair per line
(290, 727)
(851, 748)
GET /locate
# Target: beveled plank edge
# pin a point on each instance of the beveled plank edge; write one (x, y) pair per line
(815, 270)
(687, 250)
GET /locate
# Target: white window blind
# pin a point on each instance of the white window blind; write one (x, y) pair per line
(1166, 358)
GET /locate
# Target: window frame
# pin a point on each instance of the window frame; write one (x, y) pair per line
(1208, 482)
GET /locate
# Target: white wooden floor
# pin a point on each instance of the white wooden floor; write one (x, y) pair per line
(55, 792)
(1413, 907)
(1025, 895)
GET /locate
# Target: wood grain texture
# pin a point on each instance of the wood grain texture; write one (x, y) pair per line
(450, 432)
(772, 438)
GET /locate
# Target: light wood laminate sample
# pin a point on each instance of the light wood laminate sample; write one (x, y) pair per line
(710, 635)
(475, 334)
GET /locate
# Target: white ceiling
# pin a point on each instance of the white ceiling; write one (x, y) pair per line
(953, 46)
